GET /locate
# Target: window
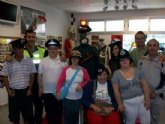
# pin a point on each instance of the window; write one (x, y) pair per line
(138, 25)
(97, 26)
(117, 25)
(157, 25)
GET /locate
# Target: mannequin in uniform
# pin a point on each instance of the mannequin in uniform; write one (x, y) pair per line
(70, 43)
(104, 52)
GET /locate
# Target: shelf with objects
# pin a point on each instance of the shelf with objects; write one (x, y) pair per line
(5, 49)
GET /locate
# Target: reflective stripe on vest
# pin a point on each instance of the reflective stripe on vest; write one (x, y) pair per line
(37, 55)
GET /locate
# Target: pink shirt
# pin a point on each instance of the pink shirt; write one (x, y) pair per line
(81, 79)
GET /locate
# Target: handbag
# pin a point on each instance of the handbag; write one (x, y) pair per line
(64, 90)
(100, 103)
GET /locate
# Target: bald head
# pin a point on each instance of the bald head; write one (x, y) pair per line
(153, 41)
(153, 47)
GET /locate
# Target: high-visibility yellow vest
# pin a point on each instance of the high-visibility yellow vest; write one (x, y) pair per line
(37, 55)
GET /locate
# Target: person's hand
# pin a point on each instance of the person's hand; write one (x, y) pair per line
(78, 88)
(96, 108)
(121, 107)
(11, 93)
(153, 95)
(62, 57)
(29, 92)
(58, 96)
(108, 110)
(147, 104)
(40, 91)
(9, 58)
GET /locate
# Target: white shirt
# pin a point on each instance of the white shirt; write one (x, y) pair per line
(102, 93)
(73, 94)
(50, 70)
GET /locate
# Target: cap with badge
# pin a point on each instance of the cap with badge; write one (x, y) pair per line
(100, 69)
(52, 42)
(19, 43)
(75, 53)
(124, 54)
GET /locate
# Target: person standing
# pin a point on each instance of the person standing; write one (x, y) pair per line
(72, 101)
(18, 79)
(131, 91)
(36, 53)
(154, 70)
(141, 49)
(115, 47)
(49, 71)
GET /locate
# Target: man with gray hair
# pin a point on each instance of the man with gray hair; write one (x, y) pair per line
(154, 71)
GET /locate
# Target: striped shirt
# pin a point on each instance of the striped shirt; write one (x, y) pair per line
(18, 72)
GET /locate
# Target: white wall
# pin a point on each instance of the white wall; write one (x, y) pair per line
(57, 20)
(114, 15)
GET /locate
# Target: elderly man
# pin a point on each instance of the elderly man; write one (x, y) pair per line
(154, 71)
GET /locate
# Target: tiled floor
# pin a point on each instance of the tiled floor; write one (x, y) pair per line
(4, 115)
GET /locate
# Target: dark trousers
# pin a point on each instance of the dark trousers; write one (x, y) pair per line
(20, 103)
(53, 109)
(71, 111)
(38, 109)
(38, 104)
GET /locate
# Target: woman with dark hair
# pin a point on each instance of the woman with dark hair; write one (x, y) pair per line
(114, 61)
(99, 101)
(72, 101)
(131, 91)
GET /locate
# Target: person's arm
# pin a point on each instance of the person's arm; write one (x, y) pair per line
(29, 92)
(146, 93)
(60, 82)
(6, 83)
(40, 90)
(118, 97)
(86, 78)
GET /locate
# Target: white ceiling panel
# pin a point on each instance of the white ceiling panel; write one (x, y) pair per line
(97, 5)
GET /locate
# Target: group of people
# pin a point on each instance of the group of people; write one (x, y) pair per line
(34, 75)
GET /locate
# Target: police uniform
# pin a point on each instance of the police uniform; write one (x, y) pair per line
(37, 54)
(18, 77)
(90, 58)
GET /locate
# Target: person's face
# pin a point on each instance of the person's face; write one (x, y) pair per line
(18, 52)
(52, 51)
(102, 78)
(140, 40)
(115, 50)
(72, 35)
(31, 38)
(124, 63)
(74, 60)
(152, 47)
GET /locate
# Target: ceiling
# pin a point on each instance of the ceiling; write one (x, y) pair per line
(97, 5)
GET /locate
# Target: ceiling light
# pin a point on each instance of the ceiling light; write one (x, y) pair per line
(123, 4)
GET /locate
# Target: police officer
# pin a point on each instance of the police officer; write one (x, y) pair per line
(18, 79)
